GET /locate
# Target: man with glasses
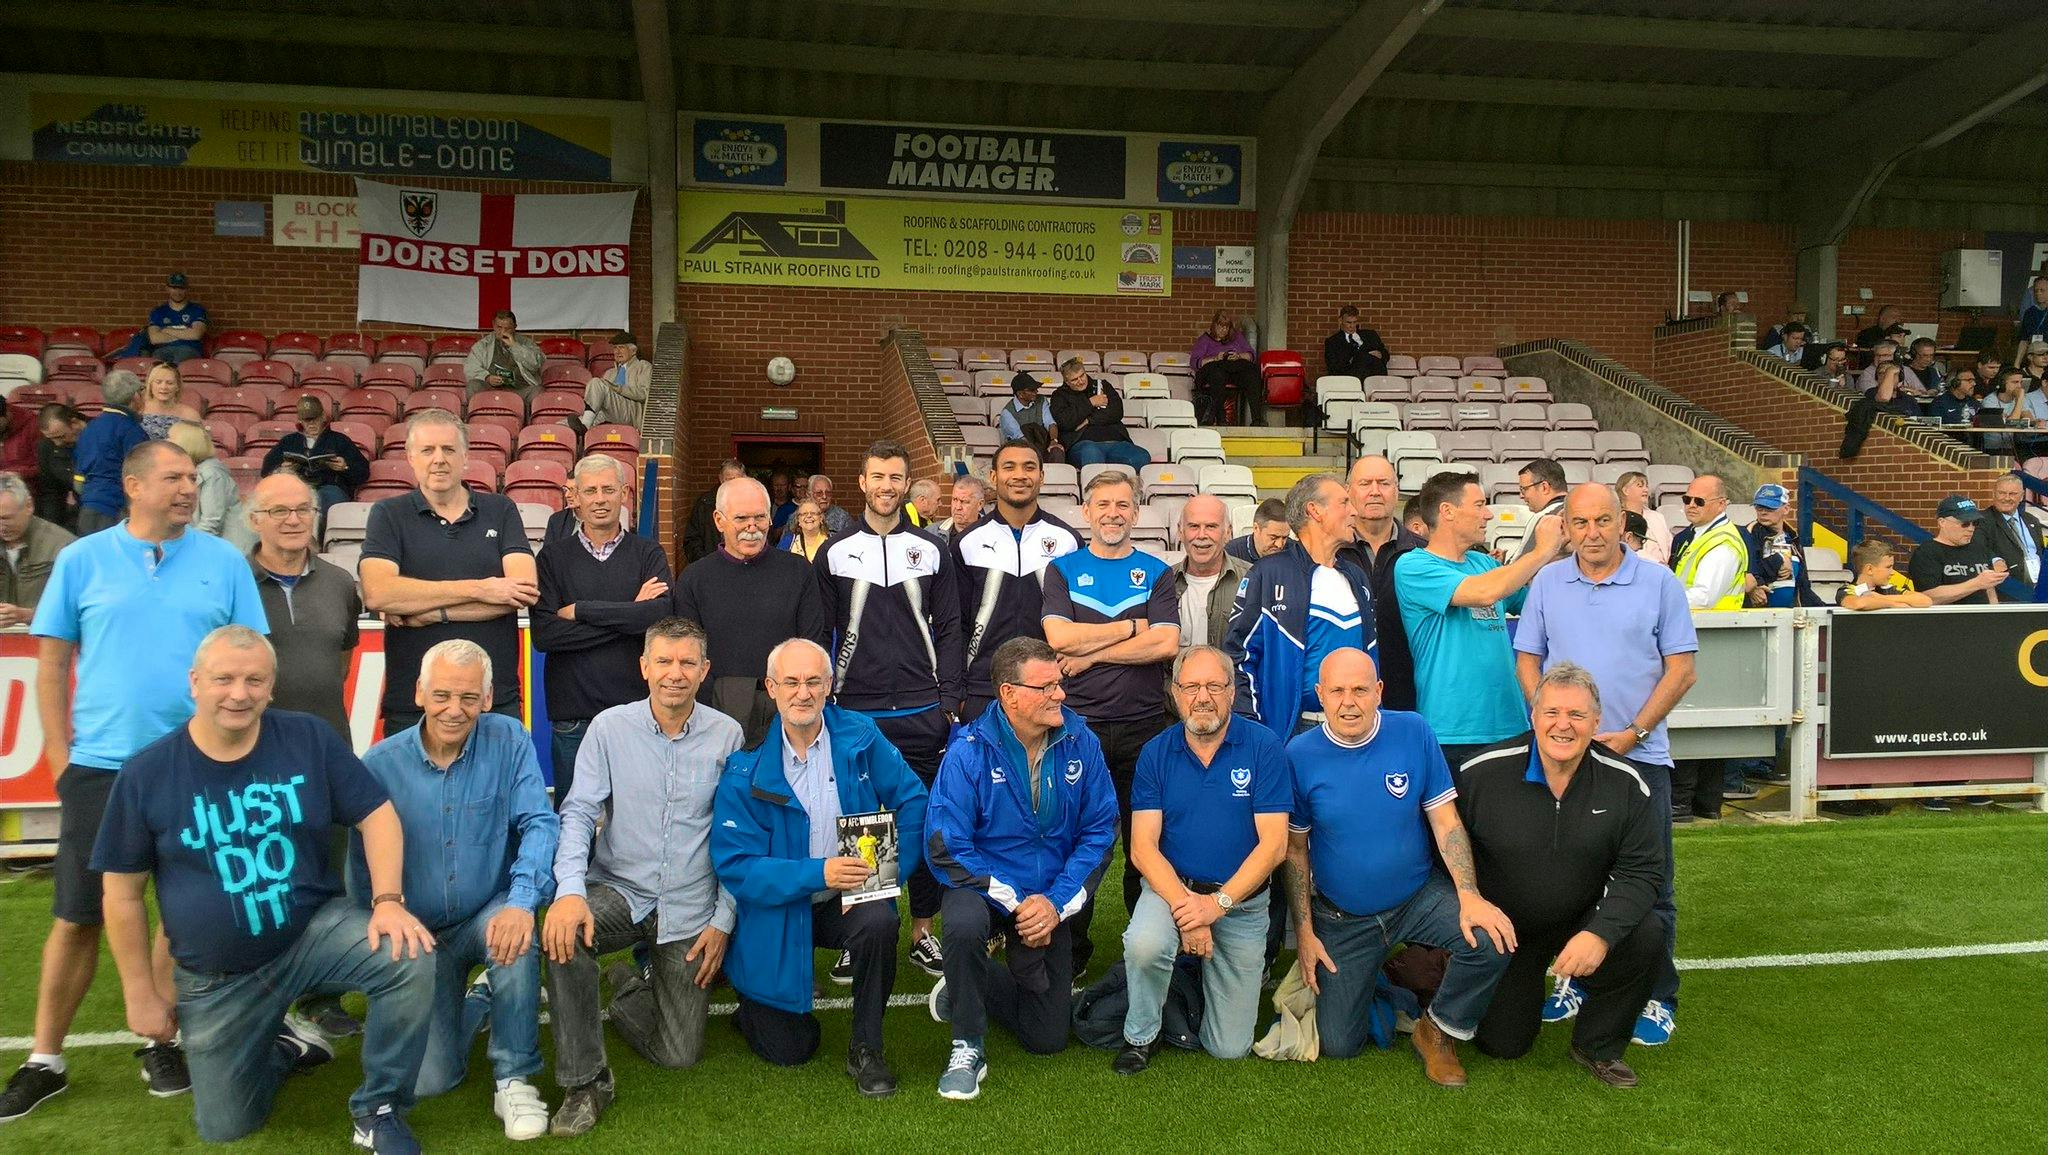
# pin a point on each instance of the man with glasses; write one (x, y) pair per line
(1711, 558)
(1208, 828)
(1542, 486)
(776, 846)
(1021, 823)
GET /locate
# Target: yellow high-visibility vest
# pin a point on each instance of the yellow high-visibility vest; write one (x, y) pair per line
(1720, 535)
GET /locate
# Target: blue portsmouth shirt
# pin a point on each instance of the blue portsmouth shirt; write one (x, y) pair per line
(164, 316)
(239, 849)
(1085, 587)
(1206, 812)
(1363, 809)
(137, 613)
(1335, 622)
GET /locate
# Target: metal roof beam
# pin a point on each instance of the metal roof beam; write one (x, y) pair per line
(1300, 14)
(805, 56)
(1363, 170)
(1605, 94)
(656, 52)
(320, 31)
(1693, 35)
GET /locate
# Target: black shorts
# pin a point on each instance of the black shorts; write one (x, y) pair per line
(82, 792)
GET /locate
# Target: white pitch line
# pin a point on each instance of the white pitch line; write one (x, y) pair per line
(1748, 962)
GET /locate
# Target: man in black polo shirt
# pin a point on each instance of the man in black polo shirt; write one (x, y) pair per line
(442, 562)
(601, 588)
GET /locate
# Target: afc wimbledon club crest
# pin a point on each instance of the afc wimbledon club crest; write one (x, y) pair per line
(418, 208)
(1241, 782)
(1073, 771)
(914, 555)
(1137, 579)
(1397, 784)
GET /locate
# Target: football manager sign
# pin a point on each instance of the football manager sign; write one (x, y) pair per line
(452, 259)
(1951, 680)
(1004, 162)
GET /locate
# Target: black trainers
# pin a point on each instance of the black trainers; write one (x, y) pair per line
(328, 1017)
(842, 971)
(163, 1068)
(925, 955)
(583, 1106)
(303, 1044)
(1134, 1057)
(1742, 793)
(32, 1083)
(871, 1074)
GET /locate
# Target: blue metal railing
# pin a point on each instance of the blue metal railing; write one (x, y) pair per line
(1859, 510)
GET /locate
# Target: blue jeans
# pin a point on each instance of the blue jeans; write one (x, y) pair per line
(514, 1007)
(564, 740)
(178, 352)
(1230, 977)
(1125, 453)
(1358, 945)
(231, 1022)
(1658, 779)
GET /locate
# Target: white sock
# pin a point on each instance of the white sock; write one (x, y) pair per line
(54, 1062)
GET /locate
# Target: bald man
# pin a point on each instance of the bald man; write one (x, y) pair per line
(313, 606)
(1378, 539)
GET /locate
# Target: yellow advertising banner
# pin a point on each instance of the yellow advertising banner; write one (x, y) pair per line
(316, 136)
(748, 238)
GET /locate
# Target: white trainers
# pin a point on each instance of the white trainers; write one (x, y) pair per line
(521, 1107)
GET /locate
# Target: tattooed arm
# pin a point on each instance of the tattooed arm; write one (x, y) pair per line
(1309, 950)
(1474, 912)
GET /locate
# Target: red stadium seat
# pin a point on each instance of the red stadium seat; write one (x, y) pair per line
(275, 372)
(75, 338)
(370, 403)
(403, 349)
(356, 350)
(567, 349)
(509, 426)
(35, 395)
(556, 405)
(77, 366)
(299, 349)
(198, 396)
(227, 440)
(25, 339)
(207, 369)
(337, 373)
(447, 350)
(237, 346)
(140, 366)
(480, 475)
(490, 442)
(540, 482)
(258, 438)
(555, 443)
(1283, 372)
(614, 440)
(388, 478)
(444, 373)
(448, 399)
(564, 372)
(393, 440)
(363, 433)
(253, 401)
(397, 373)
(498, 401)
(117, 340)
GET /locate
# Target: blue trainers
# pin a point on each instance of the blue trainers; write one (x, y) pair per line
(1563, 1003)
(385, 1133)
(965, 1069)
(940, 1003)
(1654, 1028)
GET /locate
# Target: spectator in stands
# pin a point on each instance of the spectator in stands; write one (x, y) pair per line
(1877, 585)
(807, 533)
(893, 598)
(1873, 335)
(28, 548)
(312, 605)
(1455, 601)
(215, 512)
(780, 594)
(244, 956)
(2033, 325)
(1267, 536)
(1727, 304)
(1278, 638)
(2011, 534)
(837, 520)
(18, 436)
(477, 895)
(1772, 337)
(1957, 404)
(328, 461)
(1957, 566)
(1635, 532)
(56, 498)
(634, 866)
(1029, 417)
(1624, 622)
(775, 843)
(1001, 563)
(1090, 414)
(1224, 359)
(1925, 377)
(1633, 489)
(1206, 578)
(505, 358)
(1891, 396)
(1777, 577)
(921, 506)
(782, 503)
(109, 601)
(163, 401)
(1882, 353)
(1988, 366)
(620, 394)
(1713, 564)
(1411, 517)
(1020, 828)
(445, 562)
(1791, 346)
(1542, 486)
(968, 499)
(177, 328)
(1112, 614)
(1378, 540)
(1834, 365)
(700, 534)
(599, 593)
(2035, 364)
(1353, 351)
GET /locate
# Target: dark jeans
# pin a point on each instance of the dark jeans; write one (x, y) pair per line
(869, 931)
(1696, 787)
(744, 700)
(921, 739)
(1615, 992)
(1658, 779)
(396, 720)
(1358, 945)
(1213, 379)
(663, 1021)
(1121, 742)
(564, 743)
(982, 988)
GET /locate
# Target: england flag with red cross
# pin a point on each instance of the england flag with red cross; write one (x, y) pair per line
(452, 259)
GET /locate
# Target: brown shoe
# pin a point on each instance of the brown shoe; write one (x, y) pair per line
(1612, 1072)
(1439, 1053)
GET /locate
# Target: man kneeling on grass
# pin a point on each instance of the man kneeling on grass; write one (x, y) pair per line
(230, 814)
(776, 844)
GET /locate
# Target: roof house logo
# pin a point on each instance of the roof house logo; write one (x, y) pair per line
(780, 234)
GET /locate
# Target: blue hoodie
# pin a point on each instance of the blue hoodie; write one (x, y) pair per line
(1268, 639)
(984, 835)
(760, 847)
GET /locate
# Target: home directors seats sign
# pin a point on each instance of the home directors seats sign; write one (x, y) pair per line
(741, 238)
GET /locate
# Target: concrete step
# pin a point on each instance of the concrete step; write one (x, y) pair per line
(1282, 477)
(1246, 446)
(1319, 463)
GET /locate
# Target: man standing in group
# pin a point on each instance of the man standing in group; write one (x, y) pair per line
(1000, 561)
(56, 500)
(28, 550)
(504, 358)
(921, 506)
(1206, 579)
(1113, 617)
(775, 842)
(312, 605)
(749, 599)
(1625, 623)
(1371, 793)
(1711, 558)
(599, 592)
(1455, 601)
(1208, 828)
(102, 452)
(895, 612)
(1571, 844)
(1268, 533)
(479, 861)
(1955, 567)
(443, 562)
(700, 533)
(837, 520)
(1379, 539)
(970, 496)
(2013, 536)
(1020, 827)
(1353, 351)
(133, 603)
(1542, 486)
(634, 866)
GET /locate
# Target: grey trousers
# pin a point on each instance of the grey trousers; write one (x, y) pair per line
(663, 1020)
(744, 700)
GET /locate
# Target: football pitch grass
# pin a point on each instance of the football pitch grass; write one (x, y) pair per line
(1923, 1054)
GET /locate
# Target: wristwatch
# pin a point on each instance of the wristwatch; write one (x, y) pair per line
(1641, 734)
(1224, 901)
(387, 897)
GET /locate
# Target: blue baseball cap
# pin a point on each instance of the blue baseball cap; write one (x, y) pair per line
(175, 280)
(1769, 497)
(1959, 507)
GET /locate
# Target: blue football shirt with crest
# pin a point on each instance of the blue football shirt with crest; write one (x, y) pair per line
(1363, 808)
(1090, 589)
(1206, 827)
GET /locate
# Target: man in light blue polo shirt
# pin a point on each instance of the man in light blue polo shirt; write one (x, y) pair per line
(1209, 810)
(133, 602)
(1627, 622)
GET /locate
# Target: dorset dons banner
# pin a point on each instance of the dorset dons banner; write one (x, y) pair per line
(452, 259)
(738, 238)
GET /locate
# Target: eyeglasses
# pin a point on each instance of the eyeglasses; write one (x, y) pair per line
(1053, 687)
(1213, 689)
(1689, 499)
(288, 512)
(792, 685)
